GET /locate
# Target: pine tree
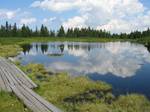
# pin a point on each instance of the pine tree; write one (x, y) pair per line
(61, 32)
(14, 30)
(36, 33)
(52, 33)
(44, 31)
(6, 29)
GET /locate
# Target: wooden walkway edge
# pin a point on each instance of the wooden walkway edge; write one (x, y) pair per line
(12, 79)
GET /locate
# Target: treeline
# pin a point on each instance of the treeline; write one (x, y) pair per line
(9, 30)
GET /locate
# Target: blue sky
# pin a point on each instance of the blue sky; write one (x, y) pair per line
(112, 15)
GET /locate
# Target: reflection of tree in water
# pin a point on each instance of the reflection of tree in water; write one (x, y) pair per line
(61, 48)
(70, 47)
(36, 47)
(87, 47)
(26, 48)
(44, 48)
(76, 47)
(148, 46)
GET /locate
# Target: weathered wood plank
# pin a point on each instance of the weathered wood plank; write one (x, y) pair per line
(6, 82)
(33, 99)
(10, 71)
(7, 75)
(2, 84)
(21, 76)
(43, 101)
(12, 79)
(24, 75)
(25, 100)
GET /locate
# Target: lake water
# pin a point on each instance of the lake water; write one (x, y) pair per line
(124, 65)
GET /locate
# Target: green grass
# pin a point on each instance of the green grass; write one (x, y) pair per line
(20, 41)
(131, 103)
(9, 103)
(50, 39)
(9, 50)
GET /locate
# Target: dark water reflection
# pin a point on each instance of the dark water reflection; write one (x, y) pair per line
(124, 65)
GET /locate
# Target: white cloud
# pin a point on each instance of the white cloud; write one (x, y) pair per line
(56, 5)
(107, 5)
(49, 20)
(76, 21)
(114, 15)
(8, 14)
(27, 21)
(117, 25)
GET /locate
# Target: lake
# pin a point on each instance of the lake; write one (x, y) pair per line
(124, 65)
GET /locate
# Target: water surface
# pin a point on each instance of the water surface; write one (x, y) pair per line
(126, 66)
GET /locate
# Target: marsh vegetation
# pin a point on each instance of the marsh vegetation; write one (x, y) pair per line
(73, 96)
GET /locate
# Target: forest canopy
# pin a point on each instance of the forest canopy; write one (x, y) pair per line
(9, 30)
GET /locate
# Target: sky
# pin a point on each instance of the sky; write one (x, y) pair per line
(115, 16)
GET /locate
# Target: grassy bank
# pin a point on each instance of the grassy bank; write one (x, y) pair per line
(9, 50)
(18, 41)
(46, 39)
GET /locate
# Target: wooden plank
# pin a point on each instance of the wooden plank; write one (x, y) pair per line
(43, 101)
(33, 99)
(12, 82)
(27, 102)
(12, 74)
(6, 82)
(2, 84)
(23, 74)
(19, 74)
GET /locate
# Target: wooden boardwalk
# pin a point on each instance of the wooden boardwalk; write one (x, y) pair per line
(12, 79)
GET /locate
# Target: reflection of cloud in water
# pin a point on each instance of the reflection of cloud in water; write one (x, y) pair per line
(120, 59)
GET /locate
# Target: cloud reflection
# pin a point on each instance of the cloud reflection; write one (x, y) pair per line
(120, 59)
